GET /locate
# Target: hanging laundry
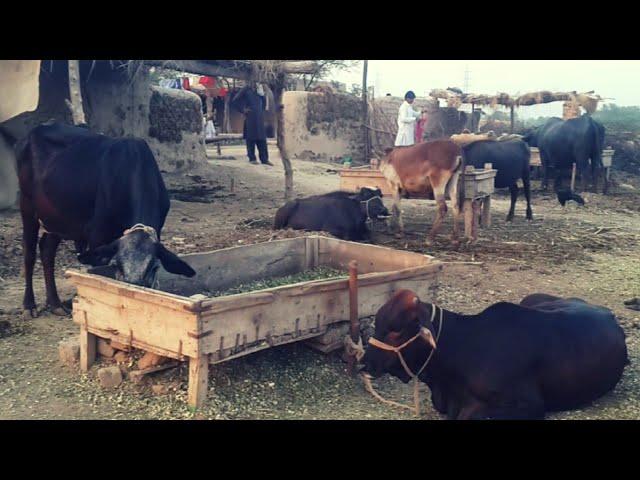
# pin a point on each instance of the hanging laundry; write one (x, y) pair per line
(208, 82)
(185, 83)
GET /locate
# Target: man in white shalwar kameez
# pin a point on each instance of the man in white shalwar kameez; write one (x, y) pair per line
(407, 117)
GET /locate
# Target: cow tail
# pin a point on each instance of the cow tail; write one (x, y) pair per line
(283, 214)
(453, 188)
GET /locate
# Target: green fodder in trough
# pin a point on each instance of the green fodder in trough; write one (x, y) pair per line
(320, 273)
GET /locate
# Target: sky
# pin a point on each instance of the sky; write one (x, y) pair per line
(613, 79)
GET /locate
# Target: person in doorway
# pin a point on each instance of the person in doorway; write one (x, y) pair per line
(251, 101)
(407, 117)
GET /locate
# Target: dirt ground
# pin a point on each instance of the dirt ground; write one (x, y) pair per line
(590, 252)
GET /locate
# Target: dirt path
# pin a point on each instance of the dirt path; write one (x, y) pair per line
(588, 252)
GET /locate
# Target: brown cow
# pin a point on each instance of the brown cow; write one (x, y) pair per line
(426, 170)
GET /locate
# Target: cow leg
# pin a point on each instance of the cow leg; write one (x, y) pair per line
(455, 204)
(526, 183)
(557, 183)
(397, 223)
(524, 402)
(30, 229)
(514, 196)
(439, 192)
(48, 246)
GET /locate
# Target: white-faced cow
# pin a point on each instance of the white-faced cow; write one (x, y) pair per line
(105, 194)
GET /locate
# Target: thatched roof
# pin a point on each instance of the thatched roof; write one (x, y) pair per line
(587, 100)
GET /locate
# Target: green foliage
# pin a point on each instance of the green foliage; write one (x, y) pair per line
(622, 119)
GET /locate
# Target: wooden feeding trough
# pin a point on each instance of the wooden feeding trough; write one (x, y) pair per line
(477, 186)
(213, 330)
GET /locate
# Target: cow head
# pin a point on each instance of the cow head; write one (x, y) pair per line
(371, 203)
(404, 322)
(531, 137)
(135, 258)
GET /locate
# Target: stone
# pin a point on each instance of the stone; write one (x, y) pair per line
(160, 389)
(121, 357)
(150, 359)
(110, 377)
(120, 346)
(69, 351)
(105, 349)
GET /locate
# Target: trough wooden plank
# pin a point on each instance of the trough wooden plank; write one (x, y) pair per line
(198, 381)
(122, 289)
(370, 258)
(221, 269)
(150, 323)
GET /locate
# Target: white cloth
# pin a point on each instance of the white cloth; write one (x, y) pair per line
(210, 130)
(407, 117)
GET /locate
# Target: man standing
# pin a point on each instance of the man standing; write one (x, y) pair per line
(251, 101)
(407, 117)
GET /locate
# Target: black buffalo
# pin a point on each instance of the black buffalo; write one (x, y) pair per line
(342, 214)
(511, 159)
(90, 188)
(507, 362)
(563, 143)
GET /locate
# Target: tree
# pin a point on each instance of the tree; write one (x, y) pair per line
(327, 67)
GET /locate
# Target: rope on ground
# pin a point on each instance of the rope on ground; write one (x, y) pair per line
(369, 386)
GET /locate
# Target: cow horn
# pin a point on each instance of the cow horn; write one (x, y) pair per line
(426, 334)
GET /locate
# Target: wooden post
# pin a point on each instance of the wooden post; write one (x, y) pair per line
(476, 216)
(88, 343)
(512, 118)
(473, 109)
(486, 204)
(286, 163)
(573, 177)
(198, 380)
(74, 102)
(467, 208)
(226, 121)
(365, 112)
(354, 329)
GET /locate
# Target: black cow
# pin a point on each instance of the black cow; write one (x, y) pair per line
(563, 143)
(90, 188)
(511, 159)
(342, 214)
(508, 362)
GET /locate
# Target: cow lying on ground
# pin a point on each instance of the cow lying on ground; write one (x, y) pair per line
(563, 143)
(426, 170)
(105, 194)
(342, 214)
(508, 362)
(511, 159)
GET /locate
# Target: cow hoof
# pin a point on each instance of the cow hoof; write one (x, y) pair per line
(29, 313)
(509, 219)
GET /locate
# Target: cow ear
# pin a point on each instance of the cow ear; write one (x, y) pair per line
(172, 263)
(99, 256)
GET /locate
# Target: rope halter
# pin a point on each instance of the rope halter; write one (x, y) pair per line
(398, 351)
(145, 228)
